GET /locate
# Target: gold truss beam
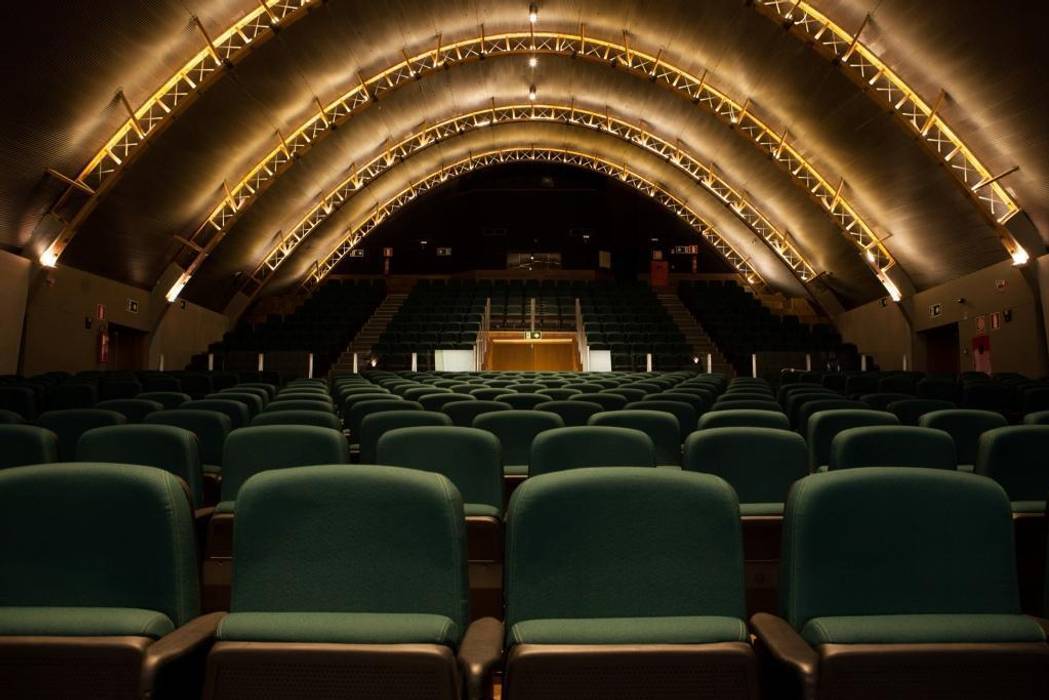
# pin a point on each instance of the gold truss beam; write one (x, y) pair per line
(884, 85)
(103, 171)
(358, 177)
(355, 234)
(654, 68)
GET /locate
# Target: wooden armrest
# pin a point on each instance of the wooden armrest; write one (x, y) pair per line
(185, 640)
(479, 654)
(787, 647)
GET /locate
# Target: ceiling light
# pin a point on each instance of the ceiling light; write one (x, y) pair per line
(531, 93)
(176, 288)
(870, 257)
(533, 12)
(48, 258)
(533, 62)
(1019, 256)
(890, 287)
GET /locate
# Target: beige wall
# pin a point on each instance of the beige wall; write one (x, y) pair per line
(1018, 346)
(14, 289)
(61, 299)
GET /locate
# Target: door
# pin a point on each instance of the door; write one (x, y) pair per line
(942, 349)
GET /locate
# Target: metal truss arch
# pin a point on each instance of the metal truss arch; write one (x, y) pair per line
(922, 119)
(704, 176)
(356, 233)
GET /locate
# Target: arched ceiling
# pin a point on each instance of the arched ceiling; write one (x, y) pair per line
(770, 81)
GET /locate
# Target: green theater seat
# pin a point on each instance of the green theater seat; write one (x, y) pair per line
(237, 412)
(375, 425)
(361, 409)
(660, 426)
(522, 402)
(573, 413)
(357, 579)
(1017, 457)
(910, 411)
(965, 426)
(825, 425)
(435, 402)
(626, 583)
(908, 571)
(744, 418)
(210, 427)
(70, 424)
(686, 414)
(168, 399)
(134, 410)
(10, 418)
(297, 405)
(893, 446)
(591, 446)
(22, 445)
(463, 413)
(321, 419)
(99, 597)
(516, 430)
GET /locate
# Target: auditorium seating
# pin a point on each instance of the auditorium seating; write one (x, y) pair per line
(965, 427)
(591, 446)
(71, 423)
(375, 425)
(516, 430)
(826, 425)
(1017, 457)
(26, 444)
(892, 446)
(661, 427)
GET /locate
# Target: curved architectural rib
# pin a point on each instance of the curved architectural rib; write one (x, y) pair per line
(356, 178)
(885, 86)
(103, 171)
(654, 68)
(355, 234)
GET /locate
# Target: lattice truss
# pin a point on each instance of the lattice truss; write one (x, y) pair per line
(355, 234)
(357, 178)
(883, 84)
(143, 124)
(695, 88)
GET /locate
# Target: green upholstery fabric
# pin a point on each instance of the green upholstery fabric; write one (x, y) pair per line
(590, 446)
(1017, 457)
(687, 416)
(250, 451)
(463, 413)
(297, 405)
(268, 389)
(70, 424)
(965, 427)
(630, 630)
(10, 418)
(135, 410)
(365, 408)
(910, 411)
(332, 539)
(761, 508)
(83, 622)
(729, 404)
(321, 419)
(1037, 418)
(893, 446)
(661, 427)
(339, 628)
(807, 409)
(744, 418)
(880, 401)
(26, 444)
(623, 543)
(516, 430)
(434, 402)
(897, 541)
(607, 401)
(97, 536)
(794, 401)
(573, 413)
(922, 629)
(253, 401)
(761, 464)
(263, 395)
(353, 399)
(470, 458)
(237, 412)
(375, 425)
(162, 446)
(824, 425)
(210, 427)
(523, 402)
(168, 399)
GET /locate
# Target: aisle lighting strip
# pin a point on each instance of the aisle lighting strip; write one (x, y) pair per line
(887, 87)
(358, 178)
(355, 234)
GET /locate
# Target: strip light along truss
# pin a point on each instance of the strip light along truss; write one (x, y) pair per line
(357, 178)
(355, 234)
(869, 71)
(654, 68)
(144, 123)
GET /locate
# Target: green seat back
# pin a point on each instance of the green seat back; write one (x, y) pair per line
(965, 426)
(892, 541)
(10, 418)
(435, 402)
(881, 401)
(263, 394)
(590, 446)
(26, 444)
(1037, 418)
(893, 446)
(661, 427)
(516, 430)
(361, 409)
(621, 543)
(97, 536)
(744, 418)
(463, 413)
(364, 540)
(810, 408)
(910, 411)
(250, 451)
(375, 425)
(522, 402)
(168, 399)
(725, 403)
(573, 413)
(761, 464)
(134, 410)
(607, 400)
(210, 427)
(470, 458)
(297, 405)
(237, 412)
(824, 425)
(253, 400)
(686, 414)
(70, 424)
(1017, 457)
(323, 419)
(161, 446)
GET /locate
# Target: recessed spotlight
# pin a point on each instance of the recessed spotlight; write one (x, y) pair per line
(532, 93)
(533, 62)
(533, 12)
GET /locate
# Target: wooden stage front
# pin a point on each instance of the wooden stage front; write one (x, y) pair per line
(511, 351)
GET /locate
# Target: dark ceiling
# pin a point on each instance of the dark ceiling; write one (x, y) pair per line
(66, 62)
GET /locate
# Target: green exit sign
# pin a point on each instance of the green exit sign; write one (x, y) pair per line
(533, 335)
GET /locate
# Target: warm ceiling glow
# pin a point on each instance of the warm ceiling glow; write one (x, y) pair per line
(532, 93)
(533, 62)
(177, 288)
(1019, 256)
(891, 288)
(533, 13)
(49, 258)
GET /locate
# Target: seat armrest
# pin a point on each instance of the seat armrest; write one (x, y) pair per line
(203, 515)
(192, 636)
(786, 646)
(479, 654)
(1044, 624)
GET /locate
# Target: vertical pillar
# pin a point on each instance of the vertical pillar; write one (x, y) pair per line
(754, 365)
(648, 362)
(309, 372)
(211, 362)
(710, 363)
(355, 369)
(262, 362)
(161, 366)
(808, 362)
(415, 362)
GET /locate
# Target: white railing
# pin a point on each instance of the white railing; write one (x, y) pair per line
(580, 335)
